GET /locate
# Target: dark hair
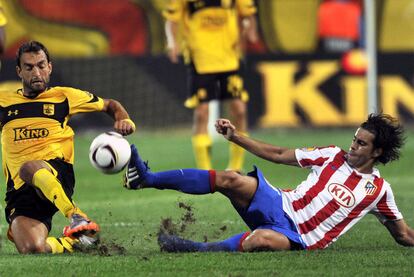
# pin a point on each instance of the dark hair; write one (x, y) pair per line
(389, 136)
(31, 46)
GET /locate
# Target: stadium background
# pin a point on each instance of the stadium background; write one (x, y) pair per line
(116, 50)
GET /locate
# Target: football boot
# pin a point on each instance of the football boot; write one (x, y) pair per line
(137, 171)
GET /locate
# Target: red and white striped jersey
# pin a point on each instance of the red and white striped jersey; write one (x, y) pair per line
(335, 196)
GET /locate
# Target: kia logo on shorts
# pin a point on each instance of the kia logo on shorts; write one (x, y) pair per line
(342, 195)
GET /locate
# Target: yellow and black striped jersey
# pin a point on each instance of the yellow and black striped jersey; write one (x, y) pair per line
(36, 129)
(210, 30)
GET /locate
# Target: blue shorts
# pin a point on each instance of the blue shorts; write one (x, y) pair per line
(266, 211)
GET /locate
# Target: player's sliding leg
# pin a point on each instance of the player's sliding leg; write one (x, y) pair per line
(172, 243)
(238, 188)
(51, 188)
(39, 175)
(192, 181)
(258, 240)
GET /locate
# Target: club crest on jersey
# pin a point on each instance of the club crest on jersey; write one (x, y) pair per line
(49, 109)
(308, 149)
(342, 195)
(370, 188)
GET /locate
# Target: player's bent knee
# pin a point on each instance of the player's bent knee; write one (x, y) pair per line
(228, 180)
(32, 248)
(28, 169)
(265, 240)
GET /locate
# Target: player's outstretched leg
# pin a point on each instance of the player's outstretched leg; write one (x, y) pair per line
(192, 181)
(173, 243)
(52, 189)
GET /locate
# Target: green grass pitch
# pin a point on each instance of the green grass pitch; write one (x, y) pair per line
(130, 219)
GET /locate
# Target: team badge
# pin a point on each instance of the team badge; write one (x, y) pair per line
(49, 109)
(308, 149)
(370, 188)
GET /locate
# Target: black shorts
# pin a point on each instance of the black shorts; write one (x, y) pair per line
(27, 201)
(216, 86)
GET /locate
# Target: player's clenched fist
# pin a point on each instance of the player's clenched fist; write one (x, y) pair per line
(225, 128)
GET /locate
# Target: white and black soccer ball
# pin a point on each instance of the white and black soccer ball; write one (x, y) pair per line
(110, 152)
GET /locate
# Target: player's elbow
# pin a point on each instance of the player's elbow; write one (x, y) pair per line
(111, 106)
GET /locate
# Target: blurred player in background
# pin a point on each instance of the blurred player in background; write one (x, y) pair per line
(207, 33)
(341, 189)
(3, 22)
(37, 149)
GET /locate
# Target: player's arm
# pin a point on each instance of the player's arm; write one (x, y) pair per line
(273, 153)
(171, 31)
(123, 124)
(401, 232)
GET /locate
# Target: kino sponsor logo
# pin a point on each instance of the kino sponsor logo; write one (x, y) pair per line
(342, 195)
(24, 133)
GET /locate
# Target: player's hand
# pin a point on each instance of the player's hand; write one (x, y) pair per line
(225, 128)
(124, 126)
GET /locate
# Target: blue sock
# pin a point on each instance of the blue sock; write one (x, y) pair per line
(230, 245)
(192, 181)
(176, 244)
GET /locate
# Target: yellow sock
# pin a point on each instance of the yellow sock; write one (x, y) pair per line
(202, 148)
(51, 188)
(236, 156)
(61, 245)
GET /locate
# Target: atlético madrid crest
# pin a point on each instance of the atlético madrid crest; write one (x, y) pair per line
(49, 109)
(370, 188)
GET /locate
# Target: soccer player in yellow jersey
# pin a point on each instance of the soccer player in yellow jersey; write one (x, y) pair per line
(208, 33)
(37, 153)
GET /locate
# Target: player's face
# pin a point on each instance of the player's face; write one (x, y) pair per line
(362, 153)
(35, 72)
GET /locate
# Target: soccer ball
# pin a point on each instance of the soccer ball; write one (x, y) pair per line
(109, 152)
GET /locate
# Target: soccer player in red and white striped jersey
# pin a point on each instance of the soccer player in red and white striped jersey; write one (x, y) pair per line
(341, 188)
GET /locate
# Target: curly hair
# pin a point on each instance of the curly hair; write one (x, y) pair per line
(31, 46)
(389, 136)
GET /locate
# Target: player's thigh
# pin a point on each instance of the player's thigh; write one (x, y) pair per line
(266, 240)
(29, 234)
(240, 189)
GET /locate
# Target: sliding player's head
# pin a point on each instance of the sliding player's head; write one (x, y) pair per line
(33, 66)
(378, 140)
